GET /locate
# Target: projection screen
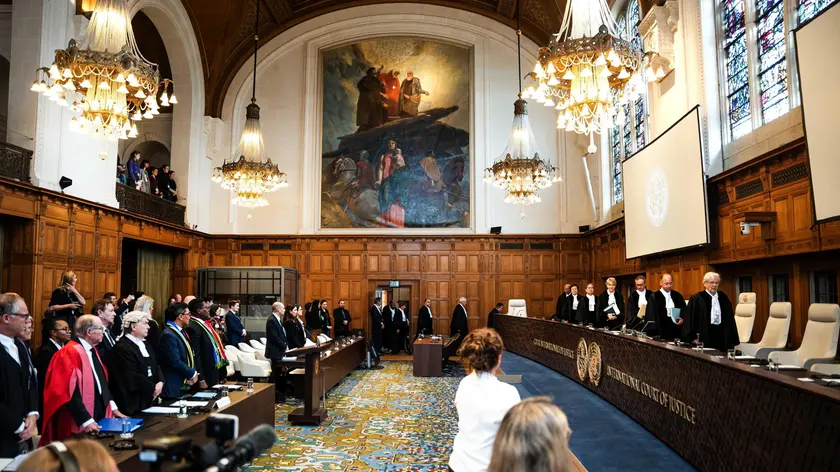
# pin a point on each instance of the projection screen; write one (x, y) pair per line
(817, 43)
(665, 192)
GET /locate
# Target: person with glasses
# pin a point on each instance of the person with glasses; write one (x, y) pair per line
(18, 385)
(59, 336)
(711, 317)
(76, 393)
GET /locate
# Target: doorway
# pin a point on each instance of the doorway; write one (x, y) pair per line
(147, 268)
(399, 291)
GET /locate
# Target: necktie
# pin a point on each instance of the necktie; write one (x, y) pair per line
(97, 366)
(109, 338)
(33, 375)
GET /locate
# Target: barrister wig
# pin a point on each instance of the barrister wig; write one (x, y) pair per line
(481, 350)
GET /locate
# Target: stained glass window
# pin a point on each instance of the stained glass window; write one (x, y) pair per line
(808, 9)
(615, 144)
(736, 67)
(639, 122)
(772, 69)
(634, 17)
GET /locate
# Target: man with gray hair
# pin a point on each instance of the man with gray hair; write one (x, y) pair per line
(711, 317)
(76, 393)
(276, 344)
(459, 324)
(18, 385)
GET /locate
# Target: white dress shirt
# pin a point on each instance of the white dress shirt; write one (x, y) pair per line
(87, 347)
(642, 297)
(57, 346)
(10, 346)
(716, 315)
(591, 299)
(482, 401)
(575, 302)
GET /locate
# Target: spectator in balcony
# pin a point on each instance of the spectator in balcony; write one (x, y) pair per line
(145, 185)
(163, 182)
(154, 181)
(135, 172)
(173, 187)
(121, 178)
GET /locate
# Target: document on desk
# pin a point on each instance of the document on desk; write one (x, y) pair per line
(161, 410)
(790, 367)
(188, 403)
(805, 379)
(228, 386)
(743, 358)
(289, 359)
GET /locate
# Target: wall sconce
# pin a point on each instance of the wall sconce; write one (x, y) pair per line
(85, 7)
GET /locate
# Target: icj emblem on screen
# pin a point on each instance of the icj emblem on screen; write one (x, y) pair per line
(656, 196)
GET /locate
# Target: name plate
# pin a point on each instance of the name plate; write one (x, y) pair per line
(222, 403)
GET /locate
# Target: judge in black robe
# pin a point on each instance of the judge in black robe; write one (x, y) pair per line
(136, 380)
(561, 302)
(720, 334)
(424, 319)
(669, 330)
(376, 326)
(18, 393)
(459, 324)
(401, 329)
(587, 313)
(604, 308)
(389, 332)
(633, 308)
(491, 317)
(341, 318)
(572, 304)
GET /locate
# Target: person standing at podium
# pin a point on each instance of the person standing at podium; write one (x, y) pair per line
(610, 307)
(666, 300)
(341, 318)
(711, 316)
(276, 344)
(424, 319)
(638, 298)
(377, 325)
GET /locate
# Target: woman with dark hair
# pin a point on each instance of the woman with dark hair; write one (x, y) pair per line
(533, 437)
(324, 317)
(482, 401)
(295, 333)
(313, 320)
(66, 302)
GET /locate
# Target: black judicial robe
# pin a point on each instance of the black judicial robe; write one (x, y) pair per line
(569, 312)
(561, 303)
(424, 321)
(721, 337)
(376, 328)
(459, 323)
(132, 377)
(667, 328)
(602, 320)
(583, 314)
(18, 396)
(633, 321)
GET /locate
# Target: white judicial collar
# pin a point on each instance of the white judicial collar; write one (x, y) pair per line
(403, 314)
(716, 314)
(591, 299)
(575, 301)
(11, 347)
(642, 297)
(139, 342)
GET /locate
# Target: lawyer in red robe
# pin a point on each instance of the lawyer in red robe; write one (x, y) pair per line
(76, 394)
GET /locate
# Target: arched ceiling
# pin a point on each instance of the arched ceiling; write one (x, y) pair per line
(225, 27)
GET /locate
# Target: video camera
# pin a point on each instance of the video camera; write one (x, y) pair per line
(180, 455)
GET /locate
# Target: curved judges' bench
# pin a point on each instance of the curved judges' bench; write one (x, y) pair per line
(719, 415)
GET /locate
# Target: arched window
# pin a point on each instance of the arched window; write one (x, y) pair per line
(737, 75)
(807, 9)
(625, 140)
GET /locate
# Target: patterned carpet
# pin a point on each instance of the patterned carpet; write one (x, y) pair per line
(383, 420)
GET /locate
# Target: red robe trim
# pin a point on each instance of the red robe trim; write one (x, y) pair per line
(69, 369)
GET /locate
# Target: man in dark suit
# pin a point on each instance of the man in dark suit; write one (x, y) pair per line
(459, 324)
(377, 325)
(610, 307)
(116, 328)
(178, 360)
(424, 319)
(136, 378)
(210, 359)
(59, 336)
(105, 311)
(401, 328)
(666, 300)
(275, 348)
(492, 315)
(341, 318)
(236, 331)
(389, 334)
(18, 389)
(638, 298)
(561, 302)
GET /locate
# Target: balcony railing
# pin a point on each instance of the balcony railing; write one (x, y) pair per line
(14, 162)
(135, 201)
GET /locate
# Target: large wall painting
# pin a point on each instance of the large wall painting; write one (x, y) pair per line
(396, 135)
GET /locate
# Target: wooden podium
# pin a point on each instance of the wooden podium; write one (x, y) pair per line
(311, 411)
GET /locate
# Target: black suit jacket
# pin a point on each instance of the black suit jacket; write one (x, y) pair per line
(340, 315)
(601, 316)
(313, 320)
(42, 362)
(424, 321)
(561, 302)
(583, 314)
(202, 347)
(633, 321)
(326, 323)
(234, 328)
(376, 319)
(459, 323)
(295, 335)
(105, 348)
(18, 397)
(666, 326)
(491, 317)
(568, 313)
(132, 377)
(276, 340)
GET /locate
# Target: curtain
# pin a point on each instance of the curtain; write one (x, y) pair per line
(153, 277)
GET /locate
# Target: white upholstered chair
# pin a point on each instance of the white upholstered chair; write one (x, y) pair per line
(819, 343)
(745, 316)
(775, 334)
(250, 367)
(233, 359)
(263, 341)
(827, 369)
(516, 307)
(257, 345)
(246, 348)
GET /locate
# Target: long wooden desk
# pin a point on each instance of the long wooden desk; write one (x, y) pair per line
(334, 365)
(253, 409)
(720, 415)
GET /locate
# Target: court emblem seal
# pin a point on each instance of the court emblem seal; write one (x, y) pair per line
(595, 364)
(582, 360)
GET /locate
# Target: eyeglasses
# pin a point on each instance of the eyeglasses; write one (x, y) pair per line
(62, 329)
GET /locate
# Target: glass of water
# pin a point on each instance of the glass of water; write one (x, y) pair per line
(250, 386)
(700, 346)
(182, 410)
(730, 354)
(126, 429)
(677, 342)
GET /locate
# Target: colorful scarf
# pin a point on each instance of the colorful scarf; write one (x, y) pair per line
(190, 356)
(218, 352)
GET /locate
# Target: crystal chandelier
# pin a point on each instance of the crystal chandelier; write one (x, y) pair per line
(105, 80)
(520, 170)
(250, 174)
(587, 71)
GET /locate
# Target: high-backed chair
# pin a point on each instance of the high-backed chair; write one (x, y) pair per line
(263, 341)
(257, 345)
(250, 367)
(827, 369)
(775, 334)
(745, 316)
(246, 348)
(516, 307)
(819, 343)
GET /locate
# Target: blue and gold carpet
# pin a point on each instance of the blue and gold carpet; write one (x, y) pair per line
(383, 420)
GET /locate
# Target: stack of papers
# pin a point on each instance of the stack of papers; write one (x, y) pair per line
(789, 367)
(161, 410)
(228, 386)
(744, 357)
(208, 395)
(189, 403)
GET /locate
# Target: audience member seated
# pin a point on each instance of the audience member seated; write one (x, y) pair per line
(819, 343)
(533, 437)
(85, 455)
(745, 316)
(177, 359)
(76, 394)
(775, 333)
(136, 379)
(482, 401)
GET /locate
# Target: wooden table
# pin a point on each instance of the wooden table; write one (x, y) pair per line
(720, 415)
(334, 365)
(428, 357)
(253, 409)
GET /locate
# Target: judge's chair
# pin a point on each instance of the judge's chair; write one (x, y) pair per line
(775, 334)
(826, 369)
(516, 307)
(819, 343)
(745, 316)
